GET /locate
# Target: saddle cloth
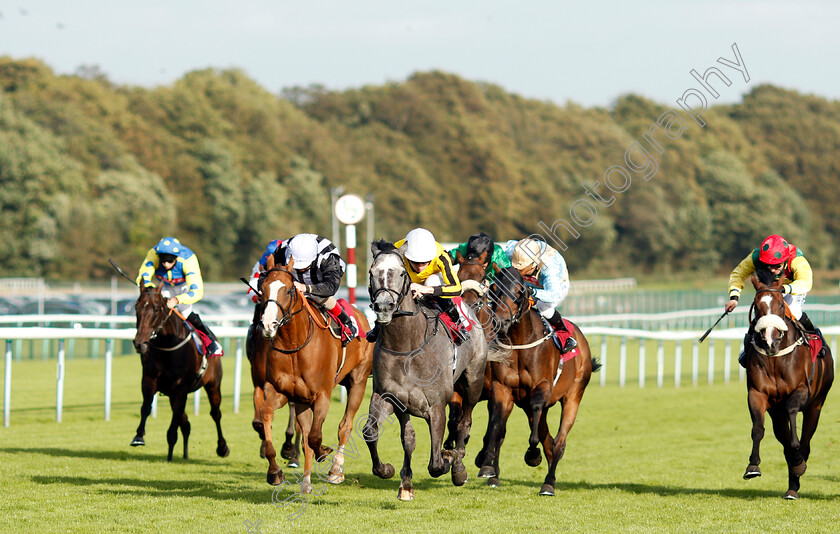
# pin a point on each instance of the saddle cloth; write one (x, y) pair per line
(560, 338)
(465, 325)
(816, 346)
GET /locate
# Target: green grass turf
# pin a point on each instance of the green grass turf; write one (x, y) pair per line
(637, 460)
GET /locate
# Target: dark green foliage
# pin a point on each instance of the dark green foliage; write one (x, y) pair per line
(93, 170)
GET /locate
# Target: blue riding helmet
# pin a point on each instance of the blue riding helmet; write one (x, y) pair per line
(168, 245)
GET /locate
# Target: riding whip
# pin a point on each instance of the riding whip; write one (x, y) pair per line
(711, 327)
(125, 274)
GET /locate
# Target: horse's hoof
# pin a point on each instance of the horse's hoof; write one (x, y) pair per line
(287, 451)
(533, 457)
(275, 479)
(294, 463)
(547, 490)
(791, 495)
(138, 441)
(752, 472)
(405, 494)
(223, 451)
(487, 471)
(459, 477)
(386, 471)
(493, 482)
(335, 479)
(799, 470)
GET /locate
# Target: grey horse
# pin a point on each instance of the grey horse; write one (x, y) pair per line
(413, 372)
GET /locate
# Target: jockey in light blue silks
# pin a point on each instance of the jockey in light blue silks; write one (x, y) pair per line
(544, 270)
(176, 267)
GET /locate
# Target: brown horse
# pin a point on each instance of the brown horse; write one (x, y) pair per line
(173, 366)
(472, 275)
(783, 379)
(531, 381)
(304, 363)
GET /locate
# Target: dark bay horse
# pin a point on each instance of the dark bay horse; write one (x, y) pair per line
(472, 275)
(304, 363)
(173, 366)
(531, 381)
(783, 380)
(413, 372)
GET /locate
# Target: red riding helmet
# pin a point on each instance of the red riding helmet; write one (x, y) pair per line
(774, 250)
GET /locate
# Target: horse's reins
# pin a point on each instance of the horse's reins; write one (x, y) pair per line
(800, 340)
(288, 314)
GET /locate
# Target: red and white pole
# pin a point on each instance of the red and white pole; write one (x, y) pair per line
(350, 240)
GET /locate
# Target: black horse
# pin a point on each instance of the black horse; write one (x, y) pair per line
(173, 366)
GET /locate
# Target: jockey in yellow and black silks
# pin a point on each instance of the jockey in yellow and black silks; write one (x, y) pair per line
(176, 267)
(430, 269)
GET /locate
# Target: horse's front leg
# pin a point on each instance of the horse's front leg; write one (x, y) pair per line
(214, 395)
(148, 386)
(355, 395)
(537, 406)
(441, 461)
(794, 404)
(379, 410)
(758, 404)
(406, 491)
(291, 449)
(273, 401)
(178, 402)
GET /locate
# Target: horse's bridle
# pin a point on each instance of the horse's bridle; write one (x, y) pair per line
(164, 318)
(396, 295)
(520, 302)
(287, 314)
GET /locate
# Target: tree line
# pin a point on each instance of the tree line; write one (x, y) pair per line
(91, 170)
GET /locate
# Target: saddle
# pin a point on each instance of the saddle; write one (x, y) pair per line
(458, 331)
(561, 336)
(337, 328)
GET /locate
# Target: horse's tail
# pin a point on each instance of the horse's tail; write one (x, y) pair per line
(596, 365)
(495, 353)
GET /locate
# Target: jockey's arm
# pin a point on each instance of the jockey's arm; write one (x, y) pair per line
(253, 281)
(803, 277)
(555, 281)
(147, 269)
(500, 258)
(739, 275)
(331, 274)
(195, 285)
(451, 284)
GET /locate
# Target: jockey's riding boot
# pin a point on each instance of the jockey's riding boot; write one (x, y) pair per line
(556, 322)
(461, 334)
(215, 347)
(346, 321)
(805, 321)
(373, 333)
(742, 361)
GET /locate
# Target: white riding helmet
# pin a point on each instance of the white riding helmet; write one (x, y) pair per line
(421, 246)
(303, 248)
(527, 252)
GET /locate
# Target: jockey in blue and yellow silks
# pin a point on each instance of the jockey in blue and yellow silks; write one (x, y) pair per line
(176, 267)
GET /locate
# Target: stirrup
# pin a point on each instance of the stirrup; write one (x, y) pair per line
(570, 345)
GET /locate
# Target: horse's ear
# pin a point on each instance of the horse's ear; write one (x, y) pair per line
(756, 283)
(458, 257)
(269, 262)
(159, 287)
(482, 258)
(291, 264)
(497, 268)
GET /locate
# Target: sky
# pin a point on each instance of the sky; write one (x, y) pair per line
(584, 52)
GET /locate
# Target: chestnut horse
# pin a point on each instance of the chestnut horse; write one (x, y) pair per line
(304, 363)
(531, 381)
(783, 379)
(173, 366)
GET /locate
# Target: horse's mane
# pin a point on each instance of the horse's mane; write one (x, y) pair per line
(765, 277)
(507, 281)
